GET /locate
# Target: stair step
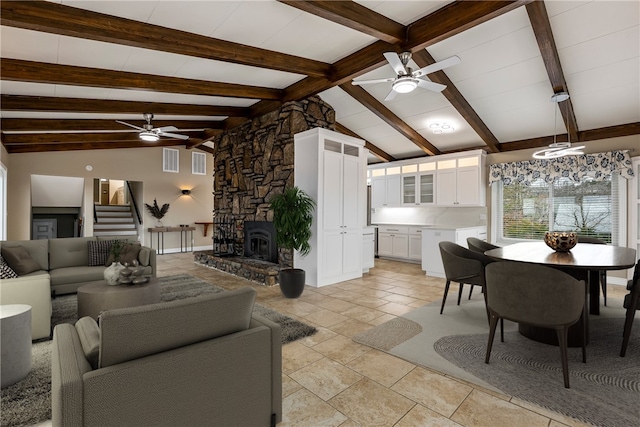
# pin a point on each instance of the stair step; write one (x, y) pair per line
(113, 220)
(113, 214)
(119, 226)
(114, 233)
(105, 208)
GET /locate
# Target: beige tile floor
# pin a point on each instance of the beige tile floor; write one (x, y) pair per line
(330, 380)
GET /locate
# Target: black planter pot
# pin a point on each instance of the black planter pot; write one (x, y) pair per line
(291, 282)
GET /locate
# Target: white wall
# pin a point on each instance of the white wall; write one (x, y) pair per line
(56, 191)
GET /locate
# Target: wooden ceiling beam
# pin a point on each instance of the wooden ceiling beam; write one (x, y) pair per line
(378, 152)
(391, 119)
(89, 145)
(46, 103)
(539, 18)
(72, 138)
(74, 22)
(459, 102)
(352, 15)
(40, 72)
(39, 125)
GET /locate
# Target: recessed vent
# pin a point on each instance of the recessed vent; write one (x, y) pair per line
(170, 159)
(198, 163)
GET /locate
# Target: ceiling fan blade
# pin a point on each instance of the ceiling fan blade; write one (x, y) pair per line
(426, 84)
(366, 82)
(394, 60)
(167, 129)
(391, 95)
(454, 60)
(173, 135)
(129, 124)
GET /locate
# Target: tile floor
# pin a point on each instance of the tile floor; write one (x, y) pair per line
(330, 380)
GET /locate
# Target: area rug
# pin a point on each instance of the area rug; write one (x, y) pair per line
(29, 401)
(604, 392)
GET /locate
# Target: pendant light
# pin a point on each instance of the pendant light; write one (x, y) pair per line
(558, 149)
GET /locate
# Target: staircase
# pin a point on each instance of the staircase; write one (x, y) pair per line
(114, 220)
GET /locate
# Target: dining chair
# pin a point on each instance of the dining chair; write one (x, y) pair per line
(535, 295)
(602, 274)
(462, 266)
(631, 303)
(480, 246)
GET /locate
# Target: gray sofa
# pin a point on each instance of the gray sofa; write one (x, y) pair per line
(193, 362)
(66, 261)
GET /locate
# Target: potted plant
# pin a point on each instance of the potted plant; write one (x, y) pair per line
(292, 219)
(157, 212)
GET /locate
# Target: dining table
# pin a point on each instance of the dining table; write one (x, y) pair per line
(584, 262)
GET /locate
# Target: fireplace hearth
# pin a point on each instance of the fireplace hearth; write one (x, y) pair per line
(260, 241)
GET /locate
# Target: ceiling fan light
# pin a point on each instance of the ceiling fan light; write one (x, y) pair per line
(148, 136)
(405, 85)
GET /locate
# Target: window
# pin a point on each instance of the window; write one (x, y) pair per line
(589, 207)
(170, 160)
(198, 163)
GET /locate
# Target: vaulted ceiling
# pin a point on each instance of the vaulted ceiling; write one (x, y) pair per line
(69, 69)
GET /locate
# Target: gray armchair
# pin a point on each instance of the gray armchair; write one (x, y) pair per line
(535, 295)
(632, 304)
(480, 246)
(197, 361)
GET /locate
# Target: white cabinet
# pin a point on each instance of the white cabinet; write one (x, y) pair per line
(431, 237)
(368, 249)
(386, 187)
(393, 241)
(460, 182)
(331, 168)
(418, 184)
(415, 243)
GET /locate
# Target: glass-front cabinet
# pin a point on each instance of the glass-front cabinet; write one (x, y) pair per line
(418, 184)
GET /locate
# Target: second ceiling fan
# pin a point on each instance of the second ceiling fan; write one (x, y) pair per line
(151, 134)
(406, 79)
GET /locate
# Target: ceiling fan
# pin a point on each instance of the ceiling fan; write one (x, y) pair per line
(151, 134)
(406, 80)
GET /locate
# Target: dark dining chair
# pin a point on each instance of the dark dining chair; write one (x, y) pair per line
(631, 303)
(479, 246)
(462, 266)
(602, 274)
(535, 295)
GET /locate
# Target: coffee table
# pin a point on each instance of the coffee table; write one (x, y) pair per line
(15, 361)
(96, 297)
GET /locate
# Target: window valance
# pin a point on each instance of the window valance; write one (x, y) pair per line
(598, 166)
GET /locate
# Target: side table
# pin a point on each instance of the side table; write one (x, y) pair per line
(96, 297)
(15, 329)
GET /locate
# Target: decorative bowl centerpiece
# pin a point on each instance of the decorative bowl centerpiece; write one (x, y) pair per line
(560, 241)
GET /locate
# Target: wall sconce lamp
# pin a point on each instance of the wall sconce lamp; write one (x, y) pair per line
(186, 192)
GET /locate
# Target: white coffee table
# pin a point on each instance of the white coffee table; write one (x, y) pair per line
(95, 297)
(15, 330)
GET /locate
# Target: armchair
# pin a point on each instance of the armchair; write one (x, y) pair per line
(196, 361)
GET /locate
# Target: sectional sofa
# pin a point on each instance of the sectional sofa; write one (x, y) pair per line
(63, 266)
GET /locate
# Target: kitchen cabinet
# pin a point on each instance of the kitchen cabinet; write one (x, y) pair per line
(418, 184)
(386, 187)
(368, 249)
(331, 168)
(415, 243)
(460, 182)
(431, 237)
(393, 241)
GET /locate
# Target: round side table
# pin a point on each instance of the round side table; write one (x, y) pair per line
(96, 297)
(15, 341)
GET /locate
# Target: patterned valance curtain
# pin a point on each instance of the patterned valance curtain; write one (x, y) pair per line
(598, 166)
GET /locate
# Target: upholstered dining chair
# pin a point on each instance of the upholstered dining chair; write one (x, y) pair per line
(462, 266)
(535, 295)
(631, 303)
(480, 246)
(602, 274)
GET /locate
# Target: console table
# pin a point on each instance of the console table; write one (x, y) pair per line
(206, 225)
(183, 237)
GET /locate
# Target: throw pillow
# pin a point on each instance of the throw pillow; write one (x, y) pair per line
(19, 260)
(128, 254)
(99, 251)
(6, 272)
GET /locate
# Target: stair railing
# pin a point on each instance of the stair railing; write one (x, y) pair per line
(95, 214)
(133, 202)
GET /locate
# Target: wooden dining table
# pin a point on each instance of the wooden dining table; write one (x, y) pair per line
(584, 261)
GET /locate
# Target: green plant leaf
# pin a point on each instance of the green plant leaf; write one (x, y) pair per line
(292, 219)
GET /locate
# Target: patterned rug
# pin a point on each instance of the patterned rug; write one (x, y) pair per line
(29, 401)
(604, 392)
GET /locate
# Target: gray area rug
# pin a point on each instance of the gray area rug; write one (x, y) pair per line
(29, 401)
(605, 391)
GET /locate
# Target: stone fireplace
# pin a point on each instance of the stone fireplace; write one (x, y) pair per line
(254, 161)
(260, 241)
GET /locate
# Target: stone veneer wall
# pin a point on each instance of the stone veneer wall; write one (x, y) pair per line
(255, 161)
